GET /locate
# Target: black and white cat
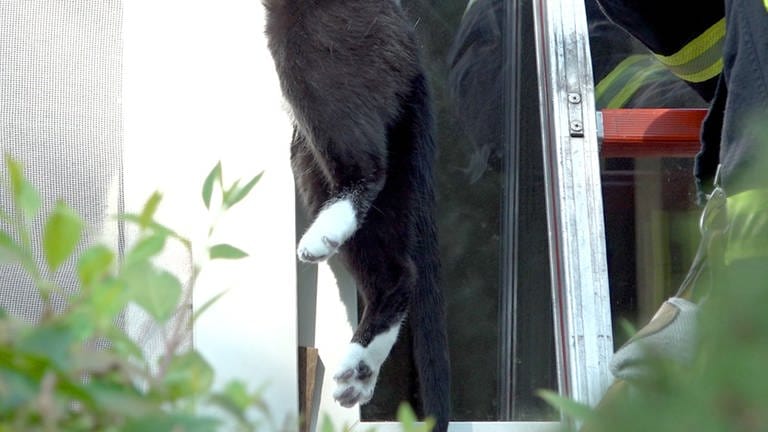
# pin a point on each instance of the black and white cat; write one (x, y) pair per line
(362, 155)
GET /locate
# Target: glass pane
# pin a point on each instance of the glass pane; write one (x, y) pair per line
(649, 203)
(491, 214)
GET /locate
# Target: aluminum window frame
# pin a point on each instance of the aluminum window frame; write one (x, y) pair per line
(583, 331)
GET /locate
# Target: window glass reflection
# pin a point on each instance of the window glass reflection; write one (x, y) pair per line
(649, 203)
(491, 215)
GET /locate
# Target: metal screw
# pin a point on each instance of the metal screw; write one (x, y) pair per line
(576, 126)
(574, 98)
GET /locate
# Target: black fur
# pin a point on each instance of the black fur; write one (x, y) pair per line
(363, 130)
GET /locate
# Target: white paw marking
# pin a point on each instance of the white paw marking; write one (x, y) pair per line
(332, 227)
(358, 372)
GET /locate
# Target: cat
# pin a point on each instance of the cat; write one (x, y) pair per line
(362, 155)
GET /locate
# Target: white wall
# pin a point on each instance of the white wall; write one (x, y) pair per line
(336, 320)
(199, 86)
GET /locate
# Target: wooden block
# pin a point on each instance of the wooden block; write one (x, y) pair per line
(311, 373)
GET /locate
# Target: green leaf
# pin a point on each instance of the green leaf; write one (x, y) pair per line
(234, 399)
(61, 235)
(405, 414)
(146, 248)
(124, 345)
(25, 196)
(237, 194)
(80, 322)
(105, 302)
(94, 264)
(627, 328)
(9, 249)
(165, 422)
(409, 422)
(225, 251)
(199, 311)
(119, 399)
(568, 406)
(157, 291)
(214, 175)
(188, 375)
(98, 361)
(226, 196)
(157, 228)
(327, 424)
(53, 341)
(16, 389)
(147, 215)
(237, 392)
(428, 425)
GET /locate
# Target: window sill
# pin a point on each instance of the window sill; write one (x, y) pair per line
(469, 427)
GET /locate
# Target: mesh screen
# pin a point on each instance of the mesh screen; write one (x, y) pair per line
(60, 89)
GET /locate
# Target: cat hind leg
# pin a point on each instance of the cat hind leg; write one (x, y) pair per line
(385, 277)
(334, 224)
(359, 370)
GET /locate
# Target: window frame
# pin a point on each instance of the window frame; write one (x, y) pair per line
(583, 330)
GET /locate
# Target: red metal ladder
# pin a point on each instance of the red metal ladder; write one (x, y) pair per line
(641, 132)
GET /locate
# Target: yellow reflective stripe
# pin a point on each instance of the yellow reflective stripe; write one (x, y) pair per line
(633, 85)
(618, 87)
(700, 59)
(747, 214)
(618, 71)
(765, 2)
(706, 74)
(697, 46)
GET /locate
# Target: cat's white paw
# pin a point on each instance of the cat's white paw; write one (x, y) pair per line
(358, 372)
(355, 381)
(315, 249)
(332, 227)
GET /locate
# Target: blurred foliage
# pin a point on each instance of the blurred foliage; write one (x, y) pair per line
(725, 390)
(77, 370)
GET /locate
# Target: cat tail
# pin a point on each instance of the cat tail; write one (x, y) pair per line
(427, 309)
(430, 343)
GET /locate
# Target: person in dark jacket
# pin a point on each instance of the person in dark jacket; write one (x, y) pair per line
(720, 48)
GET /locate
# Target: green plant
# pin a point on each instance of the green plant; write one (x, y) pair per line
(724, 390)
(76, 369)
